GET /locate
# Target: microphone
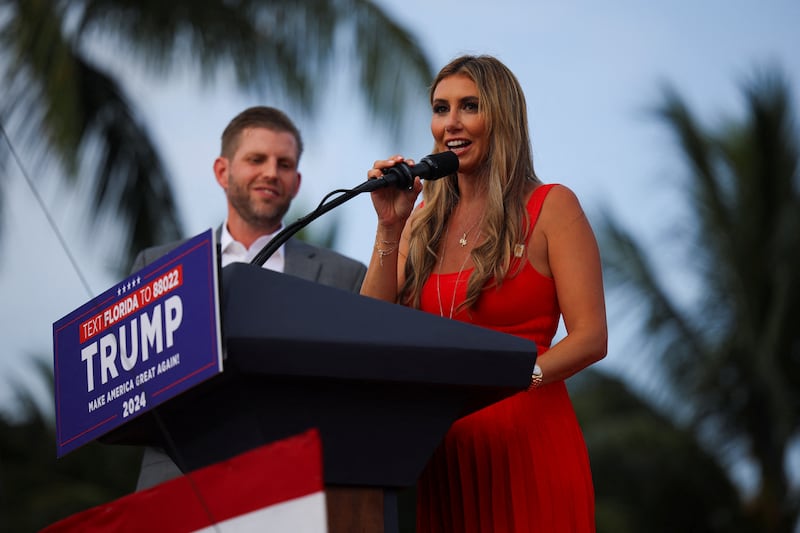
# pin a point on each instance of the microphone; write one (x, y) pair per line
(430, 167)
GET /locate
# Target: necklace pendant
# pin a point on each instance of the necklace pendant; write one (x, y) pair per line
(463, 240)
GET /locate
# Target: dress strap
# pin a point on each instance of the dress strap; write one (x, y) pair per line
(536, 201)
(533, 208)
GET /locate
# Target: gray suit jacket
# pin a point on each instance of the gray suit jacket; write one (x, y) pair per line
(302, 260)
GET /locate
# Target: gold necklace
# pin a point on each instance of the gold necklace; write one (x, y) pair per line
(458, 277)
(463, 240)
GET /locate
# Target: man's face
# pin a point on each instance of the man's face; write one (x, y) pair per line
(261, 178)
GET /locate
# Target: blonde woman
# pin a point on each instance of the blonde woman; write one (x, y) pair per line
(493, 246)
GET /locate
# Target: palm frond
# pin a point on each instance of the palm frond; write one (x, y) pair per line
(632, 444)
(131, 182)
(39, 80)
(390, 62)
(744, 200)
(286, 46)
(627, 267)
(69, 108)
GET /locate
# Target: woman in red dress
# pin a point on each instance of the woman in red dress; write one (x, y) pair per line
(493, 246)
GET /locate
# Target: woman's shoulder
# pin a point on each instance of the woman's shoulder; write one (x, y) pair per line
(560, 203)
(556, 193)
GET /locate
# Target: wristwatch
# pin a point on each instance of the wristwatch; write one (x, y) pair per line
(536, 378)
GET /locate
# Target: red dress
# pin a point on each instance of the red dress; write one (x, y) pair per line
(520, 464)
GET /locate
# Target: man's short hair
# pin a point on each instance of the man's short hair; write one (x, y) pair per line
(258, 117)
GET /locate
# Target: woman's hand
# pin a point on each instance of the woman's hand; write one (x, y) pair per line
(392, 205)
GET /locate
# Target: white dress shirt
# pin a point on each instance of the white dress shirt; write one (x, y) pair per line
(235, 252)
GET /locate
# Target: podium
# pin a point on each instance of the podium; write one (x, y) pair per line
(381, 382)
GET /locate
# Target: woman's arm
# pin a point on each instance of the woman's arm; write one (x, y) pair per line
(571, 256)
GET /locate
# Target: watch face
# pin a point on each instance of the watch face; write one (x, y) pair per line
(536, 378)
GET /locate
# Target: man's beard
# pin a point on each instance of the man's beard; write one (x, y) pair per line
(267, 216)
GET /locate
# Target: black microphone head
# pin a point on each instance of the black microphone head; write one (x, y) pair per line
(438, 165)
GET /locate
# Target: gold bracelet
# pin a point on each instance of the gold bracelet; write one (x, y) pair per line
(387, 251)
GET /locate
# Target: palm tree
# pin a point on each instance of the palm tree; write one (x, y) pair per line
(69, 108)
(649, 473)
(65, 107)
(732, 356)
(36, 489)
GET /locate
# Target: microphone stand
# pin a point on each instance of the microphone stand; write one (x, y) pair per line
(430, 167)
(284, 235)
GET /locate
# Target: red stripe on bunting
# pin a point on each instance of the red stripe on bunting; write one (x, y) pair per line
(271, 474)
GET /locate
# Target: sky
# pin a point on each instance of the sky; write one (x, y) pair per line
(592, 73)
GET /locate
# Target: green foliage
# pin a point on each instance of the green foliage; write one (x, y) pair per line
(732, 356)
(650, 474)
(63, 106)
(37, 489)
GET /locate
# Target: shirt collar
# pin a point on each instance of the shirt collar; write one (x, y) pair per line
(236, 251)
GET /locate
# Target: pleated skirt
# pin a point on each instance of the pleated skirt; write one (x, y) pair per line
(519, 465)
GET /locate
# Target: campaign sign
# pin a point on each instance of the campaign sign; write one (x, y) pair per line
(140, 343)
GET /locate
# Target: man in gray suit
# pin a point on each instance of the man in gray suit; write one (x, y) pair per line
(258, 170)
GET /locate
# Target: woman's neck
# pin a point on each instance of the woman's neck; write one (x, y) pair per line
(471, 189)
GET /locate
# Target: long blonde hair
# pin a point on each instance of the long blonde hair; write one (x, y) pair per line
(508, 168)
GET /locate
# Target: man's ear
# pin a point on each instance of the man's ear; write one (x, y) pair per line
(297, 185)
(221, 171)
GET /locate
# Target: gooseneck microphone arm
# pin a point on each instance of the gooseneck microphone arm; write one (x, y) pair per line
(430, 167)
(286, 233)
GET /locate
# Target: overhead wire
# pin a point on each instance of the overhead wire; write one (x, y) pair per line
(50, 220)
(63, 242)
